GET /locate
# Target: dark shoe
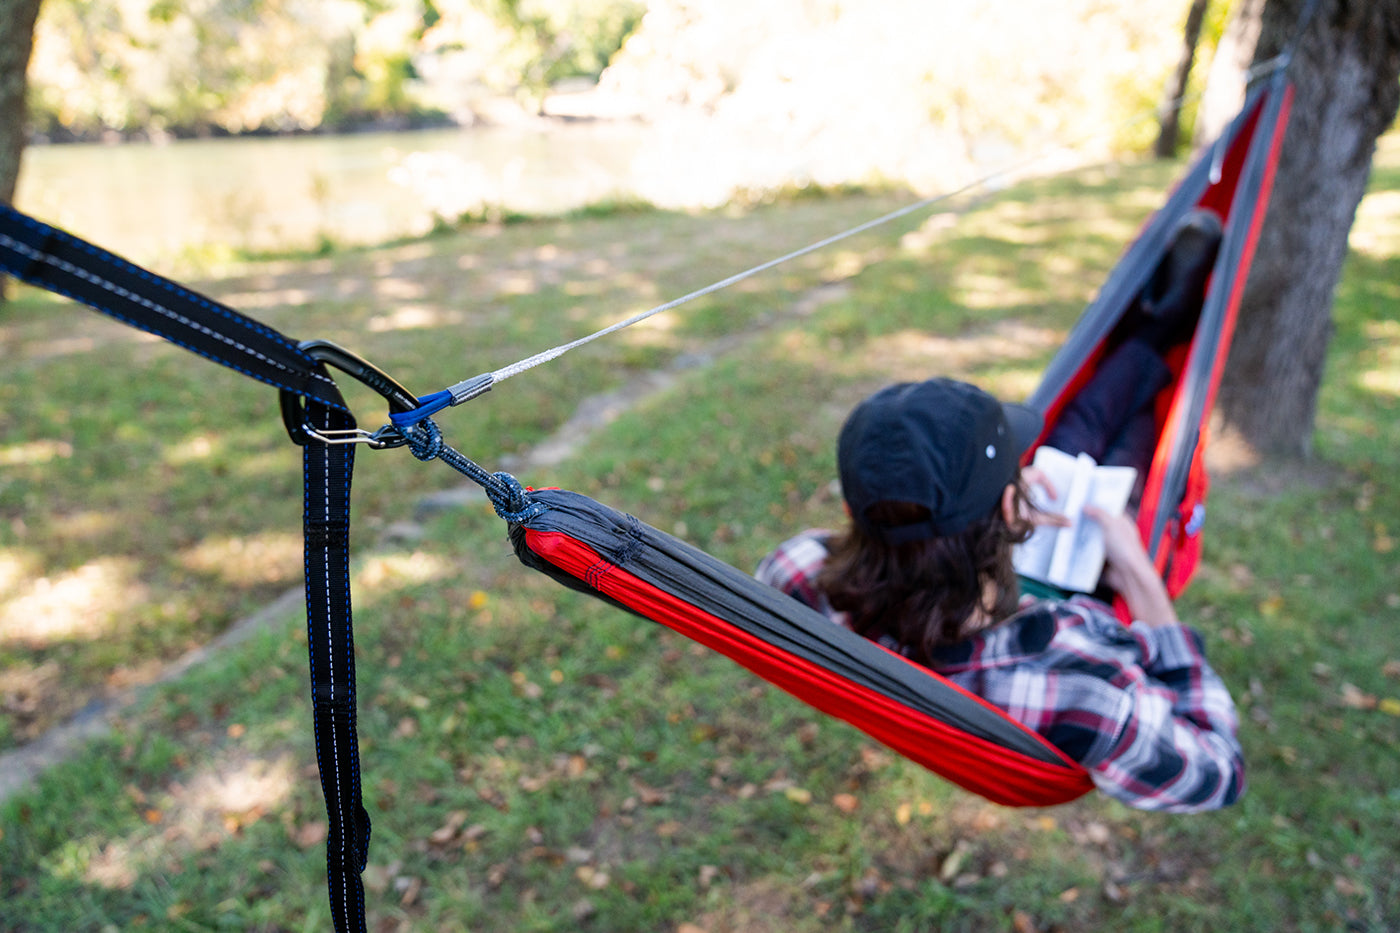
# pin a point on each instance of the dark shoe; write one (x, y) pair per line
(1171, 302)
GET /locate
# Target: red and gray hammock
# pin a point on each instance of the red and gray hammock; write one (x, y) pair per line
(593, 548)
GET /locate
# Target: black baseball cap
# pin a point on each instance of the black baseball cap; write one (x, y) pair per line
(942, 444)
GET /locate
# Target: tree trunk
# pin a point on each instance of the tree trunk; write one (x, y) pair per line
(16, 42)
(1176, 85)
(1345, 72)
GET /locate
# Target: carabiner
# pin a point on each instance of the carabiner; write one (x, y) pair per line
(400, 399)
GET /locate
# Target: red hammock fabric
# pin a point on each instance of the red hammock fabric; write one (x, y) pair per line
(980, 765)
(1234, 179)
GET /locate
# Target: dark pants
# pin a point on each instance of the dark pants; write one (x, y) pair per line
(1112, 419)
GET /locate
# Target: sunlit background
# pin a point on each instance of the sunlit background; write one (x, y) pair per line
(554, 105)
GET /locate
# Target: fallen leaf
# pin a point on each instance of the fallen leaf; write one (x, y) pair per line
(1023, 923)
(1069, 896)
(1347, 888)
(1390, 706)
(1354, 698)
(377, 877)
(1391, 669)
(952, 862)
(846, 803)
(410, 887)
(532, 784)
(448, 831)
(903, 814)
(873, 759)
(986, 820)
(799, 795)
(650, 796)
(593, 877)
(690, 928)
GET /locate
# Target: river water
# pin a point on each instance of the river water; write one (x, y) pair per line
(163, 203)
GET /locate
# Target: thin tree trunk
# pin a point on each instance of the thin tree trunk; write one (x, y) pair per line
(1345, 73)
(16, 42)
(1224, 94)
(1176, 85)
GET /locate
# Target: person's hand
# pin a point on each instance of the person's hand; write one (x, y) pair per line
(1123, 547)
(1129, 571)
(1034, 476)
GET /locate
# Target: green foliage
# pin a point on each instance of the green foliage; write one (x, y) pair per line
(166, 66)
(558, 39)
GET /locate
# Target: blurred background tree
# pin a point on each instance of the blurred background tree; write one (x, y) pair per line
(16, 34)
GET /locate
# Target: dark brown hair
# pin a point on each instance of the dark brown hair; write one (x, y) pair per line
(922, 593)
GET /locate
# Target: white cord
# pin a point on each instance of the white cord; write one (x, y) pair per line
(555, 352)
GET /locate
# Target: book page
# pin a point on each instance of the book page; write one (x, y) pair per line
(1083, 544)
(1072, 558)
(1032, 558)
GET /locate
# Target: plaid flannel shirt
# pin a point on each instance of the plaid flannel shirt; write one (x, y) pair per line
(1138, 706)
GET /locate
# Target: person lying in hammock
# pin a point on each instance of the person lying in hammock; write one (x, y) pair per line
(1113, 418)
(931, 479)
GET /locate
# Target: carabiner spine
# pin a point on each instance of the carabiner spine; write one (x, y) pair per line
(366, 373)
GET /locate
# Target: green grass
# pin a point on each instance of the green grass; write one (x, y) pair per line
(536, 761)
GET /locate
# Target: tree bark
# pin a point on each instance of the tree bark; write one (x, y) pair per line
(1176, 85)
(1346, 73)
(16, 42)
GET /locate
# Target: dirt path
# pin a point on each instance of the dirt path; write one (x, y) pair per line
(20, 767)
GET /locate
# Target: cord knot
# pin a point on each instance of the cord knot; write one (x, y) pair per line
(424, 439)
(511, 500)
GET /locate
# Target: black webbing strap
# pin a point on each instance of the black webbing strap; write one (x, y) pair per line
(46, 257)
(49, 258)
(331, 646)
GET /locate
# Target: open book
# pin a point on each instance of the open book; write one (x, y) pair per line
(1072, 558)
